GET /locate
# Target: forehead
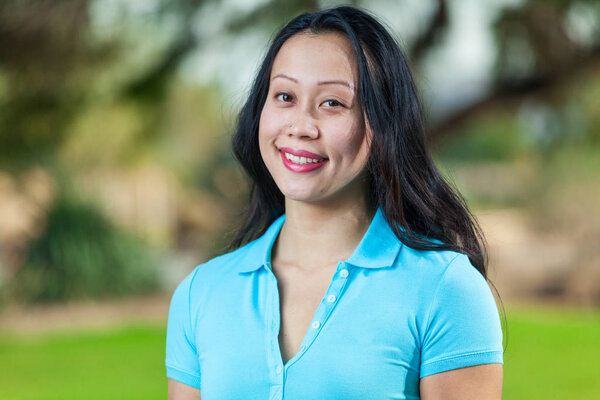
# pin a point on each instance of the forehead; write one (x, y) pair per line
(326, 55)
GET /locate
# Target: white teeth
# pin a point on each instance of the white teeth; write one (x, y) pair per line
(300, 160)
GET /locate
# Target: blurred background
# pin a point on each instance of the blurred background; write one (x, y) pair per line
(117, 178)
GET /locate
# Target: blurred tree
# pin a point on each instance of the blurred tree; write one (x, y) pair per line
(51, 61)
(541, 45)
(42, 48)
(61, 58)
(50, 65)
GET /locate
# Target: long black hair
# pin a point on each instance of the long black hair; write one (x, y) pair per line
(421, 207)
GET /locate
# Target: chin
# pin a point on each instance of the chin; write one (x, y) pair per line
(300, 193)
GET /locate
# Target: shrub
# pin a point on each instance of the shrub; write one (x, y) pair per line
(81, 254)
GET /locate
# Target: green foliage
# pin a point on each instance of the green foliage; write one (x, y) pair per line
(82, 255)
(494, 138)
(42, 80)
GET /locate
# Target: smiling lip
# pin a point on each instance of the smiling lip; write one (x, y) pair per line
(292, 166)
(301, 153)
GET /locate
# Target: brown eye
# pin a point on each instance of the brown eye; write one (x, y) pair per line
(333, 103)
(283, 97)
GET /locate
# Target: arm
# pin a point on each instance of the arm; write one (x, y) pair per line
(480, 382)
(462, 352)
(181, 361)
(181, 391)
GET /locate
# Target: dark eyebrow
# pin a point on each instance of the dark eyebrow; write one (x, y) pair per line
(343, 83)
(333, 82)
(286, 77)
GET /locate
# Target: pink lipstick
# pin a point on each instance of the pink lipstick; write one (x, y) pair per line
(301, 160)
(301, 153)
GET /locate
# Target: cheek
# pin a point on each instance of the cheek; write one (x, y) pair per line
(268, 128)
(352, 145)
(268, 124)
(264, 130)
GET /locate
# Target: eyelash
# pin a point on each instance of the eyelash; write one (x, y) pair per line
(282, 94)
(335, 101)
(328, 100)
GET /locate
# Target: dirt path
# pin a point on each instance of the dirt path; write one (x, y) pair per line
(541, 267)
(93, 315)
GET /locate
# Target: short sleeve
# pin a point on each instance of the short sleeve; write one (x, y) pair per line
(181, 356)
(463, 326)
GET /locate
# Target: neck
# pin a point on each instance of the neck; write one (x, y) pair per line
(318, 235)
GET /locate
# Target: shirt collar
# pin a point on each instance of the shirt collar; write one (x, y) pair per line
(377, 249)
(259, 252)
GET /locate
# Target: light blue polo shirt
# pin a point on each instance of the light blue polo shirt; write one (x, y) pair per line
(391, 315)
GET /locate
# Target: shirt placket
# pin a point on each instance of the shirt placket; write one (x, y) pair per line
(277, 370)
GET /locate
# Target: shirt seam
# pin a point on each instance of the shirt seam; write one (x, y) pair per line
(434, 298)
(192, 343)
(473, 353)
(183, 370)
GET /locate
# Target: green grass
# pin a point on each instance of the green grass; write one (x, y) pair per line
(121, 363)
(551, 354)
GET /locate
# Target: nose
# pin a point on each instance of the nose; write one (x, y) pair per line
(303, 124)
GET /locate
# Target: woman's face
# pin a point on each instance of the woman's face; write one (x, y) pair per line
(312, 133)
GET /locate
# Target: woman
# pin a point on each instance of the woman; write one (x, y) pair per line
(358, 273)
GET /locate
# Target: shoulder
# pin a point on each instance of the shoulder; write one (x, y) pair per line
(433, 266)
(441, 280)
(221, 266)
(459, 324)
(217, 271)
(452, 293)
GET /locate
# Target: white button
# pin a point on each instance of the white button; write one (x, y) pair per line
(344, 273)
(279, 369)
(316, 324)
(331, 298)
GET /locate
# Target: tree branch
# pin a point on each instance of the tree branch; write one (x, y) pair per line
(511, 92)
(427, 39)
